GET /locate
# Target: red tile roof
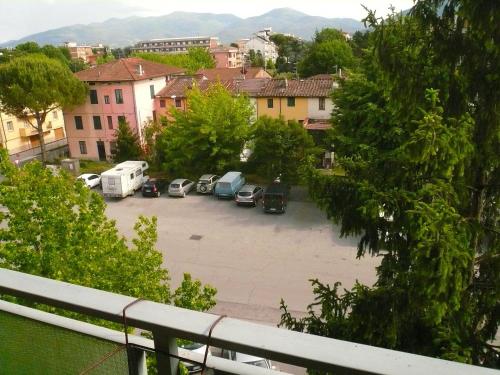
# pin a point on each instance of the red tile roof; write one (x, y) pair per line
(225, 74)
(298, 88)
(127, 69)
(316, 124)
(179, 85)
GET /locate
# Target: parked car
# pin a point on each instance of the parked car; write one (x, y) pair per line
(153, 188)
(91, 180)
(229, 184)
(206, 183)
(276, 198)
(247, 359)
(249, 195)
(180, 187)
(194, 368)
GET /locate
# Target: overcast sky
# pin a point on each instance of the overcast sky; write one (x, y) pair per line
(20, 18)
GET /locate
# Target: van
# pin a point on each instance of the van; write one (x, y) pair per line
(229, 184)
(124, 179)
(276, 198)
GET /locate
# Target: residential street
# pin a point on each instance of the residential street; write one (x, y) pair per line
(253, 259)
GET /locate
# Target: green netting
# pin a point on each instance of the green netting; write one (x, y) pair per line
(32, 347)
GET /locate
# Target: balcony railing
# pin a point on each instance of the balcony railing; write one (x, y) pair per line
(167, 323)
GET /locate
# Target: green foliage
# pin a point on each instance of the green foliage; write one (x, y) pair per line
(196, 59)
(416, 133)
(290, 52)
(280, 147)
(57, 228)
(128, 145)
(33, 85)
(328, 52)
(104, 59)
(256, 58)
(207, 137)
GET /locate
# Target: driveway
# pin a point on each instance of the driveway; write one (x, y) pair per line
(253, 259)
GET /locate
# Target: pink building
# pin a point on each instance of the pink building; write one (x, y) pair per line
(227, 57)
(119, 90)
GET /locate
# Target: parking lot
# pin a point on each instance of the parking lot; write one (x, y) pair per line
(253, 259)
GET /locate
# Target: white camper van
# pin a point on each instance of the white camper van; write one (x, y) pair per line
(124, 179)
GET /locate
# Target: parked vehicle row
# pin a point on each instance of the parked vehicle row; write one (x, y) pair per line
(127, 177)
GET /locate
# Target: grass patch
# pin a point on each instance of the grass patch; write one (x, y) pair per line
(93, 166)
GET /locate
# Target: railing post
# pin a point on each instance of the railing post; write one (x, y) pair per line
(165, 345)
(136, 361)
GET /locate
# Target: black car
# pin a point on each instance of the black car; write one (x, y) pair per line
(276, 198)
(153, 188)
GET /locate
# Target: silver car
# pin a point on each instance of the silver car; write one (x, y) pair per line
(180, 187)
(206, 183)
(249, 194)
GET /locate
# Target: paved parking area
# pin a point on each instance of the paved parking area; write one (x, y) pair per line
(253, 259)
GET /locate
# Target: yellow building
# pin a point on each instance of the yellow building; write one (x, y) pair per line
(298, 100)
(22, 141)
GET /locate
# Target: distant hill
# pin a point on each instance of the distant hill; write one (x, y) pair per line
(120, 32)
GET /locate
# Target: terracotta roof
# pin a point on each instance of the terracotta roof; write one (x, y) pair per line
(316, 124)
(179, 85)
(298, 88)
(127, 70)
(225, 74)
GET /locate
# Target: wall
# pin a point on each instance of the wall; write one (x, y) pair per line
(144, 104)
(299, 112)
(313, 108)
(169, 104)
(87, 111)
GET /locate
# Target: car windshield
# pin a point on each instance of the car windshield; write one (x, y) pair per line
(261, 363)
(175, 186)
(244, 193)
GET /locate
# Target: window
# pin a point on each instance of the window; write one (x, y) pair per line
(131, 176)
(110, 122)
(178, 102)
(83, 147)
(138, 173)
(55, 115)
(119, 96)
(93, 97)
(78, 123)
(152, 91)
(97, 122)
(162, 103)
(10, 126)
(121, 119)
(290, 102)
(270, 103)
(106, 99)
(321, 104)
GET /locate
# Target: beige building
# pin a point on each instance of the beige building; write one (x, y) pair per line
(22, 141)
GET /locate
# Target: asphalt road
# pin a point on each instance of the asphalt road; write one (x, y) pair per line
(253, 259)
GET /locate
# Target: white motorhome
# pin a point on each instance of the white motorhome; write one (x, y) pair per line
(124, 179)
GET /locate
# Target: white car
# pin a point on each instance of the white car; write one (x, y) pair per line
(91, 180)
(206, 183)
(195, 347)
(180, 187)
(247, 359)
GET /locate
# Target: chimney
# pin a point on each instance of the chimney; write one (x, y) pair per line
(140, 70)
(286, 83)
(340, 72)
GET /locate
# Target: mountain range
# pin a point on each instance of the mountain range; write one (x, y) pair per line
(120, 32)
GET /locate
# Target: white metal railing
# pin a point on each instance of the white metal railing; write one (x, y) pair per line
(168, 323)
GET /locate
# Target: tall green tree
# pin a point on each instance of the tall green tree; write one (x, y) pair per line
(328, 52)
(196, 59)
(417, 136)
(57, 228)
(128, 145)
(209, 135)
(34, 85)
(290, 52)
(280, 148)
